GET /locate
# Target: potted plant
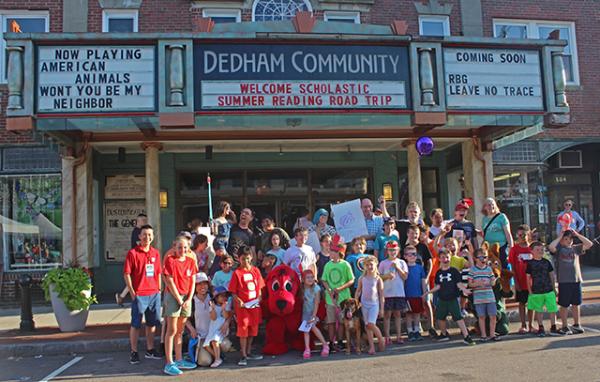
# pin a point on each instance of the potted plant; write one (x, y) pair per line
(70, 291)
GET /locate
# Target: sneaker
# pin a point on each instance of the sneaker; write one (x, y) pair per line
(418, 336)
(185, 365)
(495, 338)
(152, 354)
(469, 341)
(541, 332)
(577, 329)
(217, 363)
(554, 332)
(443, 337)
(134, 358)
(255, 357)
(565, 331)
(243, 361)
(483, 339)
(432, 333)
(411, 337)
(172, 369)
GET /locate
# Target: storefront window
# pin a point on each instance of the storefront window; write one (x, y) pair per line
(31, 221)
(429, 188)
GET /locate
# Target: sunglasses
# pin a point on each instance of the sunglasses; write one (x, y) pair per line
(410, 254)
(482, 258)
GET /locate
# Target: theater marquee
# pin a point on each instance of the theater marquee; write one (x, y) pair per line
(229, 77)
(95, 78)
(493, 79)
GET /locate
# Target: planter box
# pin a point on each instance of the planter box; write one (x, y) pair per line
(68, 321)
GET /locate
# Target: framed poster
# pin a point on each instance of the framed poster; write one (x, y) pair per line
(119, 220)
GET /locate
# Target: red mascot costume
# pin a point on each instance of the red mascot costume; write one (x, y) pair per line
(282, 308)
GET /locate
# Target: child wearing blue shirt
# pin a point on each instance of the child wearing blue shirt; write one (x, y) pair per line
(223, 277)
(382, 239)
(414, 287)
(356, 259)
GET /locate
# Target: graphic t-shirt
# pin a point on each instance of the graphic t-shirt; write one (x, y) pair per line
(448, 280)
(246, 284)
(335, 275)
(566, 260)
(182, 272)
(518, 258)
(144, 269)
(413, 286)
(495, 231)
(540, 270)
(482, 294)
(221, 279)
(239, 237)
(468, 229)
(356, 261)
(299, 258)
(393, 287)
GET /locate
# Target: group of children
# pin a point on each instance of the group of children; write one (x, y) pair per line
(388, 284)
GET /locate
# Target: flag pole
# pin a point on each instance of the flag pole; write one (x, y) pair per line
(210, 209)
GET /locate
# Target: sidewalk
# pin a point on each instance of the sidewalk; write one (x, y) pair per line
(108, 326)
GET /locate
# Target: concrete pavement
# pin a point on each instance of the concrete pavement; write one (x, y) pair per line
(516, 357)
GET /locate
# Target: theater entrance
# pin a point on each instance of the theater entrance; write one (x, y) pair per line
(284, 194)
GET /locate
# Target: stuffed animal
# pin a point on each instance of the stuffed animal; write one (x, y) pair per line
(282, 308)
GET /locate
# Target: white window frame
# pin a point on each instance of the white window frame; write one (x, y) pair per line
(306, 2)
(223, 12)
(534, 33)
(16, 14)
(119, 14)
(341, 15)
(435, 18)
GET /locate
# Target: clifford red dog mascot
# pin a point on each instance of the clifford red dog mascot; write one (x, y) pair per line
(282, 307)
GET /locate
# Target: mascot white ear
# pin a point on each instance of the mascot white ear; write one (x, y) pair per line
(203, 358)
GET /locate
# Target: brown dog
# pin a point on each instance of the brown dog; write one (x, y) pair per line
(351, 322)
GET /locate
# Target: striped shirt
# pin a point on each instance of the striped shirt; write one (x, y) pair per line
(482, 294)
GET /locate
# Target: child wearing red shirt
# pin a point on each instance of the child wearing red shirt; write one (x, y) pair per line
(518, 257)
(246, 285)
(179, 271)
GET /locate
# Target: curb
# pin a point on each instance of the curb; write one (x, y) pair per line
(122, 344)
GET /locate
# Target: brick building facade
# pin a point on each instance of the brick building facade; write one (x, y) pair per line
(539, 178)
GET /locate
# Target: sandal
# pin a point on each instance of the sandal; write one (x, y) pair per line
(523, 330)
(306, 354)
(388, 341)
(325, 351)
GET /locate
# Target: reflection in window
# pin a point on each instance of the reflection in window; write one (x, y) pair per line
(511, 31)
(288, 183)
(223, 184)
(340, 182)
(31, 221)
(274, 10)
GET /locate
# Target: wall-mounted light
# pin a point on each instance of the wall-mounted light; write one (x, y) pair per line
(163, 198)
(388, 192)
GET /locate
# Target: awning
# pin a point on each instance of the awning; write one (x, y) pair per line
(12, 226)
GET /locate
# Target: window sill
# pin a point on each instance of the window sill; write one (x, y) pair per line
(574, 87)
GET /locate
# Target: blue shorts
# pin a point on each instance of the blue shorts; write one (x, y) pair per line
(149, 306)
(486, 310)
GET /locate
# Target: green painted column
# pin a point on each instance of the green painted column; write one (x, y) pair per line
(168, 182)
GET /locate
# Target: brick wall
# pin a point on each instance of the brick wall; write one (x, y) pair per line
(54, 8)
(585, 114)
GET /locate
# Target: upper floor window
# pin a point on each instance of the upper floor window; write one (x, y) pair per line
(120, 20)
(273, 10)
(432, 25)
(342, 17)
(220, 16)
(20, 22)
(541, 30)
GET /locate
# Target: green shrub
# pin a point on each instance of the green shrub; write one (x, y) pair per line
(70, 283)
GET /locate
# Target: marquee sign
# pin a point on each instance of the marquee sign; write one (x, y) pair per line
(493, 79)
(95, 78)
(253, 76)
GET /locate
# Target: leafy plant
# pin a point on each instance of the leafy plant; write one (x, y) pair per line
(70, 284)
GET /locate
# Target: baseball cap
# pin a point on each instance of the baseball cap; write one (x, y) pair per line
(201, 277)
(220, 290)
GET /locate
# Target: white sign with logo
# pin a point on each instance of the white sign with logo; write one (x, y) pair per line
(119, 221)
(95, 78)
(493, 79)
(349, 220)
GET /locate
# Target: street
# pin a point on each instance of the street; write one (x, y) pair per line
(514, 358)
